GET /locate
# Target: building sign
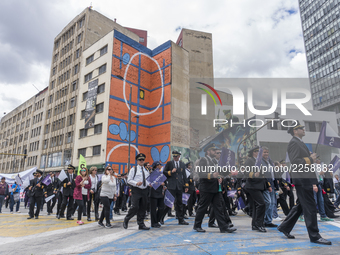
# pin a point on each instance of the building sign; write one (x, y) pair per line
(90, 108)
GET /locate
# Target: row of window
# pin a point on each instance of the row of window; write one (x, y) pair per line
(97, 130)
(17, 117)
(102, 69)
(100, 89)
(37, 118)
(66, 48)
(11, 131)
(35, 132)
(34, 146)
(32, 161)
(95, 151)
(39, 104)
(102, 51)
(61, 92)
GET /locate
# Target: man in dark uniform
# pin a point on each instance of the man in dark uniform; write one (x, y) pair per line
(49, 192)
(209, 192)
(59, 195)
(36, 194)
(177, 180)
(139, 193)
(255, 185)
(68, 187)
(288, 188)
(305, 183)
(192, 190)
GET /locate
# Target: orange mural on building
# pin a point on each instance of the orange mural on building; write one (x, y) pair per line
(148, 72)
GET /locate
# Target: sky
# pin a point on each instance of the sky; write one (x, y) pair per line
(251, 39)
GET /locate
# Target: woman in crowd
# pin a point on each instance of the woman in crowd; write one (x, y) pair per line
(93, 194)
(15, 198)
(81, 191)
(107, 195)
(156, 199)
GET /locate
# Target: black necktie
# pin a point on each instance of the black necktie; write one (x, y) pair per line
(144, 183)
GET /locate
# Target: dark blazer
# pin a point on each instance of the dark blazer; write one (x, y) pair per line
(177, 180)
(259, 183)
(68, 189)
(207, 182)
(299, 156)
(35, 190)
(52, 187)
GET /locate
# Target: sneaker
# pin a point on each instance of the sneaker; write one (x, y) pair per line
(108, 226)
(277, 219)
(12, 212)
(17, 211)
(301, 218)
(101, 224)
(80, 222)
(326, 219)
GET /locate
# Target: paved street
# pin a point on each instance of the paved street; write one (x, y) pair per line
(48, 235)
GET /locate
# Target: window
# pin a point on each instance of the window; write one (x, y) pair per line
(313, 126)
(101, 88)
(71, 119)
(84, 96)
(50, 99)
(79, 38)
(83, 133)
(69, 137)
(96, 150)
(46, 144)
(76, 69)
(89, 59)
(88, 77)
(99, 107)
(103, 50)
(102, 69)
(74, 85)
(82, 152)
(141, 39)
(72, 102)
(83, 113)
(49, 113)
(67, 157)
(47, 128)
(98, 128)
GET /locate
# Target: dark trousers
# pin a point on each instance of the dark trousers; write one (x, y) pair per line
(178, 204)
(124, 199)
(80, 205)
(106, 209)
(282, 201)
(34, 200)
(69, 206)
(96, 206)
(291, 197)
(259, 207)
(306, 204)
(225, 213)
(60, 201)
(205, 200)
(118, 204)
(85, 202)
(51, 204)
(156, 209)
(138, 205)
(191, 202)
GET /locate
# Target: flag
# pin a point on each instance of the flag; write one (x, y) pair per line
(259, 158)
(82, 163)
(156, 178)
(18, 180)
(240, 203)
(26, 182)
(47, 180)
(62, 176)
(335, 164)
(231, 193)
(328, 136)
(49, 198)
(168, 199)
(185, 198)
(227, 158)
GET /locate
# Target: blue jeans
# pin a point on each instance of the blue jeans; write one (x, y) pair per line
(111, 209)
(12, 204)
(319, 201)
(269, 199)
(337, 202)
(2, 200)
(275, 215)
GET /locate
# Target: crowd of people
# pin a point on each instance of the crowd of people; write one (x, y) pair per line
(257, 193)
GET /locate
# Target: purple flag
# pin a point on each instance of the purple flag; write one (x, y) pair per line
(227, 158)
(335, 164)
(47, 180)
(328, 136)
(259, 158)
(168, 199)
(185, 198)
(156, 178)
(231, 193)
(240, 203)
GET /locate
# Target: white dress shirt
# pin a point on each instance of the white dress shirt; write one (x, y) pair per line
(139, 177)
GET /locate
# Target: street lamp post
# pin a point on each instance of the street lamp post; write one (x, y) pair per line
(129, 128)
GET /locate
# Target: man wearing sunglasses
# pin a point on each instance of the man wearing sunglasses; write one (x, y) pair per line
(139, 193)
(68, 187)
(305, 182)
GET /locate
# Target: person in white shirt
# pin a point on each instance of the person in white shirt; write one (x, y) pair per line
(107, 195)
(93, 194)
(137, 179)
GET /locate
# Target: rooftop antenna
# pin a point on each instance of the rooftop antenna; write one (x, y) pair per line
(36, 87)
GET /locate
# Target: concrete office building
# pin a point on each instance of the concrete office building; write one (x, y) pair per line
(22, 132)
(321, 32)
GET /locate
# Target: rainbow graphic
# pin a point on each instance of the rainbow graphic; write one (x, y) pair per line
(209, 93)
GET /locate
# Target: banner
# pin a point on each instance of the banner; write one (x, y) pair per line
(10, 178)
(259, 158)
(47, 180)
(90, 108)
(335, 164)
(156, 178)
(240, 203)
(168, 199)
(227, 158)
(62, 176)
(231, 193)
(82, 163)
(185, 198)
(18, 180)
(328, 136)
(49, 198)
